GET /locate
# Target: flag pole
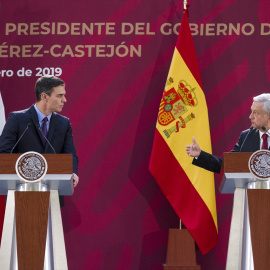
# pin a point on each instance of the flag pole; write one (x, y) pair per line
(185, 7)
(185, 4)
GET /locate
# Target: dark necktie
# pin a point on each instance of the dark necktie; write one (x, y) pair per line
(44, 130)
(265, 143)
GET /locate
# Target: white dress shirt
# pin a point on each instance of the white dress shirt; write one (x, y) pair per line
(261, 139)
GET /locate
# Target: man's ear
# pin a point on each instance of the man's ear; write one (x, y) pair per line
(43, 96)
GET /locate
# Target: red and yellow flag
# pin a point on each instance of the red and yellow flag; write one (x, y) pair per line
(183, 114)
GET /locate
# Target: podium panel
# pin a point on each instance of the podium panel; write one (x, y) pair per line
(259, 218)
(31, 212)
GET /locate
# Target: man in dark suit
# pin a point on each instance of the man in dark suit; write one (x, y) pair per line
(250, 140)
(26, 130)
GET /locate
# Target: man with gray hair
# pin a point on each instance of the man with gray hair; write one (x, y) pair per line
(250, 140)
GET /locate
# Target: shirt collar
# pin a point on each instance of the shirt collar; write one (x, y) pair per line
(261, 132)
(41, 115)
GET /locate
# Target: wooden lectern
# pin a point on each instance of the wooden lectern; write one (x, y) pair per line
(32, 237)
(249, 242)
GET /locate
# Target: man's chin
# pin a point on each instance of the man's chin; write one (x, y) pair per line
(59, 109)
(257, 127)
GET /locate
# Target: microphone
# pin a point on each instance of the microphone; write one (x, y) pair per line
(245, 138)
(46, 139)
(28, 125)
(264, 129)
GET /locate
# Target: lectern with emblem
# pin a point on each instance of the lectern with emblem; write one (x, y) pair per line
(247, 175)
(32, 235)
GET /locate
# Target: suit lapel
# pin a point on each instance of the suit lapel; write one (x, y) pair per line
(52, 129)
(254, 141)
(35, 121)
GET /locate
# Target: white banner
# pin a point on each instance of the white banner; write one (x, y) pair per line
(2, 114)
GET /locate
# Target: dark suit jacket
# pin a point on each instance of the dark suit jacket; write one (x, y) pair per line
(249, 141)
(59, 135)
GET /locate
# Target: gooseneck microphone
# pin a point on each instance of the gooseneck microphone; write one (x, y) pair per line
(264, 129)
(28, 125)
(245, 138)
(47, 140)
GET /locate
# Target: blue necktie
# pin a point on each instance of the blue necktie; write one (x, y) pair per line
(44, 130)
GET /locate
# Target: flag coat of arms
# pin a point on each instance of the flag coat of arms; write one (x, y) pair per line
(183, 114)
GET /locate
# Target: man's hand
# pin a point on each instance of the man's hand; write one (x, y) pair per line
(75, 179)
(193, 150)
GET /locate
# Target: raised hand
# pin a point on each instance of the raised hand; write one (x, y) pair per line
(193, 150)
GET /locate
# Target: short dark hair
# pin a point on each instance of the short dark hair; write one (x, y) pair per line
(45, 84)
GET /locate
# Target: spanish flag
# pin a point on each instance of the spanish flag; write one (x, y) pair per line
(183, 114)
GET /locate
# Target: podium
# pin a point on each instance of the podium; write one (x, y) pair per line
(32, 236)
(249, 241)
